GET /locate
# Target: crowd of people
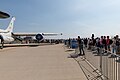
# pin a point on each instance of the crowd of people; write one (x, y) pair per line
(104, 42)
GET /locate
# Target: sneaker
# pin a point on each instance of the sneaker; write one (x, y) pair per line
(79, 54)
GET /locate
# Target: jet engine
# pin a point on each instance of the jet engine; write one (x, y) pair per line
(39, 37)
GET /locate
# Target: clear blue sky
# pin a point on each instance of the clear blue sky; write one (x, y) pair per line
(71, 17)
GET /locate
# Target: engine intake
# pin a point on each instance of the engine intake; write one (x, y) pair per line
(39, 37)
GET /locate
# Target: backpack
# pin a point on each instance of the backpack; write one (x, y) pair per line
(110, 42)
(117, 43)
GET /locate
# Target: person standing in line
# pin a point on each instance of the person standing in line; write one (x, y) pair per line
(85, 42)
(113, 45)
(101, 42)
(105, 44)
(108, 43)
(69, 43)
(98, 44)
(80, 45)
(117, 44)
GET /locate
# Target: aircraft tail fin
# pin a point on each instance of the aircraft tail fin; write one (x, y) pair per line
(11, 25)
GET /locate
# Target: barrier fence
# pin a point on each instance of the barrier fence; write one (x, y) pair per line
(107, 63)
(110, 65)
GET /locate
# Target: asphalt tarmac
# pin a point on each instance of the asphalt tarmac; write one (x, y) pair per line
(47, 62)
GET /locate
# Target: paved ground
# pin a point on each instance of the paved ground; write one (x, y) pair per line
(48, 62)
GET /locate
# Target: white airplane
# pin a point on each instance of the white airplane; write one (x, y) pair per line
(6, 36)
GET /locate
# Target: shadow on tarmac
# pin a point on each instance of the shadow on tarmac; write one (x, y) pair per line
(73, 55)
(69, 50)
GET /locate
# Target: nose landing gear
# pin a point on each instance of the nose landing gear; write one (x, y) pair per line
(1, 42)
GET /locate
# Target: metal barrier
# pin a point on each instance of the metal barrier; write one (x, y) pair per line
(110, 65)
(106, 62)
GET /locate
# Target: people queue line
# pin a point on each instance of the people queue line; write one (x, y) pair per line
(105, 42)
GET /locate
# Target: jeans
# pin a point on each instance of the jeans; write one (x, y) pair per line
(81, 49)
(114, 49)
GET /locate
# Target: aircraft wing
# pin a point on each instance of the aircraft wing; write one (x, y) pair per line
(38, 36)
(34, 34)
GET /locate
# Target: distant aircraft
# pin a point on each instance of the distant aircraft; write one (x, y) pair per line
(7, 36)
